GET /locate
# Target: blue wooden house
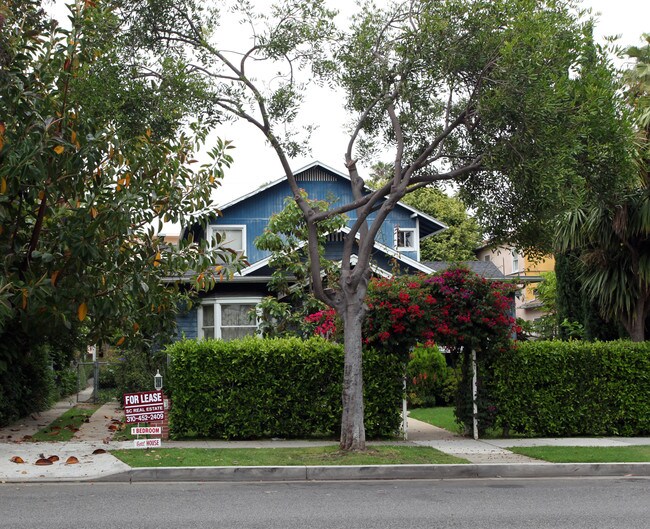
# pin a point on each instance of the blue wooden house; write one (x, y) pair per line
(224, 311)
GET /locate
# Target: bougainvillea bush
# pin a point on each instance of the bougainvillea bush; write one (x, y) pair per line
(454, 309)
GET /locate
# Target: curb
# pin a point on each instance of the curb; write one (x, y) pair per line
(378, 472)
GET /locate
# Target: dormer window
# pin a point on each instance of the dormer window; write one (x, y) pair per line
(406, 239)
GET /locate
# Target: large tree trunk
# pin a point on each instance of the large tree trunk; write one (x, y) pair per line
(353, 433)
(635, 324)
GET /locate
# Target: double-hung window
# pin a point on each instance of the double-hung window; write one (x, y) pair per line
(228, 318)
(515, 261)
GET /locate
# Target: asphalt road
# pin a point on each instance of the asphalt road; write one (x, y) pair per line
(477, 504)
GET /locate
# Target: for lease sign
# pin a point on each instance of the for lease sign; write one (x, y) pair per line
(144, 406)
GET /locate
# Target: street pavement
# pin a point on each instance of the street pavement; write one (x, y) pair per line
(620, 503)
(488, 458)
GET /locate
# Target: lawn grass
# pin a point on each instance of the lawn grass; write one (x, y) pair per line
(321, 455)
(442, 417)
(587, 454)
(63, 428)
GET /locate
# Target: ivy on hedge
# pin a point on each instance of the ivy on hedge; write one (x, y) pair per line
(552, 388)
(283, 387)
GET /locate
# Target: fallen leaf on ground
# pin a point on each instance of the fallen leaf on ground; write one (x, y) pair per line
(72, 460)
(43, 461)
(17, 459)
(53, 458)
(99, 451)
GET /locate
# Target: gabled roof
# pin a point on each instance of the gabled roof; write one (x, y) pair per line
(486, 269)
(422, 267)
(428, 224)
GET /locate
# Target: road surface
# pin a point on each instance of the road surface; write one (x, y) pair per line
(478, 504)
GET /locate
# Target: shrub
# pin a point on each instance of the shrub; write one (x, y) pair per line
(430, 382)
(574, 388)
(66, 381)
(287, 387)
(134, 371)
(26, 385)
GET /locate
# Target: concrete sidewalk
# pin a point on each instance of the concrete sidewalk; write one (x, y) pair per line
(28, 426)
(488, 458)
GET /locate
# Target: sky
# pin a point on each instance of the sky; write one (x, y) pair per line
(255, 162)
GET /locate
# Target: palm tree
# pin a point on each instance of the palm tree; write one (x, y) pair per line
(612, 235)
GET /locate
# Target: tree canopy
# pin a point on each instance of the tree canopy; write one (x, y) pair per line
(93, 159)
(610, 231)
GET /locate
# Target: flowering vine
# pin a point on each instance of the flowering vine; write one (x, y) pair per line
(454, 309)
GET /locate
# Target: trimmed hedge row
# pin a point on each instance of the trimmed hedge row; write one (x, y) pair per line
(288, 387)
(552, 388)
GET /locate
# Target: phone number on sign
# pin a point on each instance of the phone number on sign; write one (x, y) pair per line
(146, 417)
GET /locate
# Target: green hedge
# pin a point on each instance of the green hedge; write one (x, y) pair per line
(289, 387)
(574, 388)
(26, 385)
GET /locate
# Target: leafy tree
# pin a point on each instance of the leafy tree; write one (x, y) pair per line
(574, 307)
(86, 177)
(493, 95)
(610, 233)
(286, 238)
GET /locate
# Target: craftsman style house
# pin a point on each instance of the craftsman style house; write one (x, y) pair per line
(225, 311)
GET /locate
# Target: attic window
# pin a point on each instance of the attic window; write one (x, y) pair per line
(231, 237)
(405, 239)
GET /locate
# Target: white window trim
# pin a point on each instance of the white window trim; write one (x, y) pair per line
(516, 258)
(415, 246)
(216, 228)
(217, 302)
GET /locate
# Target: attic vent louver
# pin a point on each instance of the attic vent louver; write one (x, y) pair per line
(315, 175)
(335, 237)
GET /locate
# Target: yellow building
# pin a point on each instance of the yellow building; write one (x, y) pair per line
(514, 264)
